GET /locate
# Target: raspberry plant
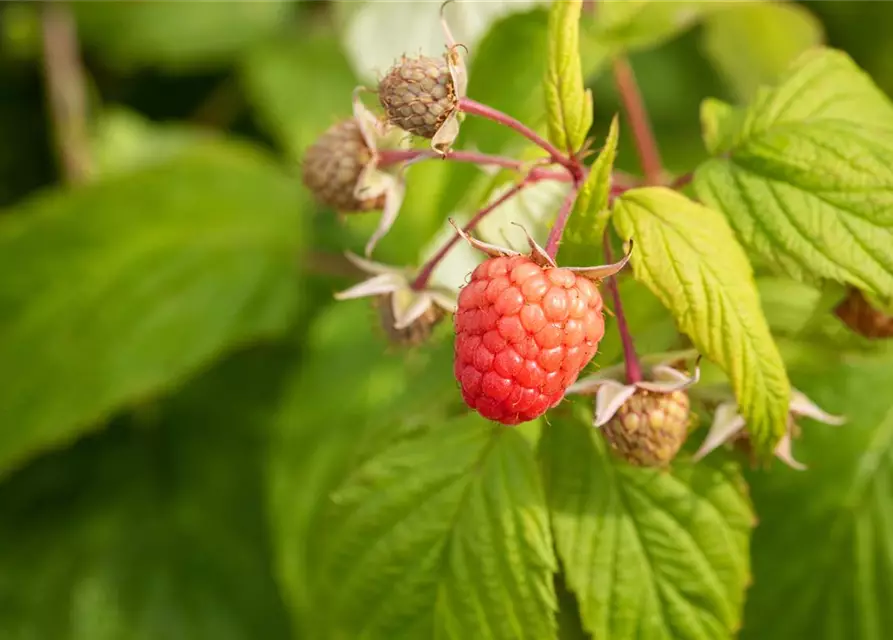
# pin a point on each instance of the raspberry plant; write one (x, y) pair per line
(453, 348)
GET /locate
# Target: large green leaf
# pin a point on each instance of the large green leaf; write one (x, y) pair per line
(569, 107)
(642, 24)
(823, 553)
(649, 553)
(687, 255)
(807, 181)
(753, 43)
(444, 533)
(118, 290)
(152, 529)
(582, 239)
(176, 35)
(362, 391)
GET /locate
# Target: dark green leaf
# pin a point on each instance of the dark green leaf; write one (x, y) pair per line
(153, 529)
(116, 291)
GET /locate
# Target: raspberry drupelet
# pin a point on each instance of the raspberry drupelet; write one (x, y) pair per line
(524, 332)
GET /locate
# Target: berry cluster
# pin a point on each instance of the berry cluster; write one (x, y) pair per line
(525, 327)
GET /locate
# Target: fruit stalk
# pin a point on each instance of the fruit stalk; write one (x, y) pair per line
(561, 222)
(646, 145)
(631, 359)
(424, 275)
(468, 105)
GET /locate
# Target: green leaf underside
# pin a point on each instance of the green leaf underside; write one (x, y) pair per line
(648, 553)
(569, 107)
(152, 529)
(754, 43)
(118, 290)
(837, 584)
(808, 181)
(582, 237)
(443, 534)
(687, 255)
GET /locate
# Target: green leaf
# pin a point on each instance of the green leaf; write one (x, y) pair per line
(686, 254)
(753, 43)
(444, 533)
(299, 88)
(808, 180)
(649, 553)
(837, 584)
(569, 107)
(176, 36)
(720, 123)
(582, 238)
(122, 289)
(152, 529)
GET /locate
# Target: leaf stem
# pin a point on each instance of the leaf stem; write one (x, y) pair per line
(421, 280)
(467, 105)
(631, 360)
(65, 93)
(682, 181)
(646, 145)
(564, 215)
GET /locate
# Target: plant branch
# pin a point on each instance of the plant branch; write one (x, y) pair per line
(424, 274)
(682, 181)
(65, 93)
(564, 215)
(633, 366)
(646, 145)
(468, 105)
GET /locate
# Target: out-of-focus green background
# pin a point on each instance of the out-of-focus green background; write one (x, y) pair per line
(179, 391)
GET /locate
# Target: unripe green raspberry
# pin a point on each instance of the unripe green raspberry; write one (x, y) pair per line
(332, 168)
(857, 312)
(418, 95)
(649, 428)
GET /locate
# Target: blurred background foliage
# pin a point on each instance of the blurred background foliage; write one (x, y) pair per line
(179, 394)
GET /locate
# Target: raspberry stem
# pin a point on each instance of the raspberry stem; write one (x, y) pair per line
(633, 366)
(637, 114)
(395, 156)
(561, 221)
(421, 280)
(468, 105)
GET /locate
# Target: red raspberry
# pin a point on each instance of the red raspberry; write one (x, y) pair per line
(523, 335)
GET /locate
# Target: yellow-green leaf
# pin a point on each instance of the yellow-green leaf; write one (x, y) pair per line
(688, 256)
(582, 238)
(569, 107)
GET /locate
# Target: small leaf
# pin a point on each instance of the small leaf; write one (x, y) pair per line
(808, 181)
(569, 107)
(444, 533)
(686, 254)
(720, 123)
(834, 585)
(634, 25)
(650, 554)
(582, 238)
(118, 290)
(753, 43)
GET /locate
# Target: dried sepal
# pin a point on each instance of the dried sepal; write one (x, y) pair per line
(728, 426)
(604, 271)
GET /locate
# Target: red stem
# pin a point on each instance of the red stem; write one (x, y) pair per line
(682, 181)
(646, 145)
(561, 222)
(424, 275)
(633, 367)
(468, 105)
(396, 156)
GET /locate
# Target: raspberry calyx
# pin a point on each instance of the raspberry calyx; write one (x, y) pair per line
(525, 329)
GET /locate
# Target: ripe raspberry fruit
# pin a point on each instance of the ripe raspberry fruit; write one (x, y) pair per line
(333, 166)
(524, 332)
(649, 428)
(418, 95)
(857, 312)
